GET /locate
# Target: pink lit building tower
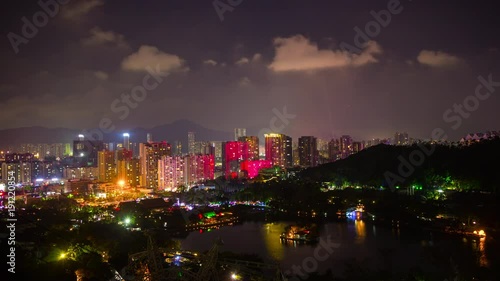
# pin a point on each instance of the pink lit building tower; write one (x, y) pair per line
(234, 152)
(253, 167)
(189, 170)
(241, 158)
(199, 168)
(171, 172)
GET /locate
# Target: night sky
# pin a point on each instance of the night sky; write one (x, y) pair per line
(231, 69)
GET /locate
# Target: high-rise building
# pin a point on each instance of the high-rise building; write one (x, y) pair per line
(134, 146)
(295, 153)
(55, 150)
(203, 147)
(150, 153)
(323, 156)
(357, 146)
(199, 168)
(107, 166)
(279, 150)
(334, 150)
(345, 146)
(401, 139)
(288, 152)
(252, 146)
(47, 169)
(134, 172)
(85, 151)
(111, 146)
(187, 170)
(217, 145)
(239, 132)
(373, 142)
(37, 170)
(149, 138)
(19, 157)
(123, 165)
(67, 150)
(177, 149)
(191, 143)
(308, 151)
(18, 172)
(172, 172)
(126, 141)
(11, 171)
(233, 154)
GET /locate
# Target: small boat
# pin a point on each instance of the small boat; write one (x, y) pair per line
(296, 233)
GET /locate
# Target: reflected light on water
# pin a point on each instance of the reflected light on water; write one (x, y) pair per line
(271, 233)
(483, 260)
(360, 228)
(479, 247)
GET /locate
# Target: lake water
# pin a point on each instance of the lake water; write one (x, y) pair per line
(371, 246)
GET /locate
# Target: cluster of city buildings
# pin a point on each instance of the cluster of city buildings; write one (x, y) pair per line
(477, 137)
(160, 165)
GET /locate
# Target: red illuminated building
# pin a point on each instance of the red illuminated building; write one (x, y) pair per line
(252, 167)
(234, 153)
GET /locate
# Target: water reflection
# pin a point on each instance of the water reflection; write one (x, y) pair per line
(357, 236)
(479, 248)
(360, 228)
(483, 260)
(271, 233)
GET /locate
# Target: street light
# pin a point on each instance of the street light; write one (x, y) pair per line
(121, 183)
(62, 256)
(127, 221)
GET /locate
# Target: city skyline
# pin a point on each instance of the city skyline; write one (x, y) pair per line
(250, 140)
(313, 70)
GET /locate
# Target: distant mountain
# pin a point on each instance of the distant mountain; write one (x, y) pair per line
(175, 131)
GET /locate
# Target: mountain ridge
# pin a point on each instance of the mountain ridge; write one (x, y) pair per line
(174, 131)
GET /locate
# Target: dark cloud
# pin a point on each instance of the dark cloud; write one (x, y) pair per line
(264, 56)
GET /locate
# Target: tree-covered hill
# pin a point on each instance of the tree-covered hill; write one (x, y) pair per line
(476, 166)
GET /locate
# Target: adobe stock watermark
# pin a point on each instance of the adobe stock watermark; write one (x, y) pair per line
(283, 116)
(49, 9)
(372, 28)
(122, 106)
(310, 265)
(453, 116)
(11, 221)
(222, 6)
